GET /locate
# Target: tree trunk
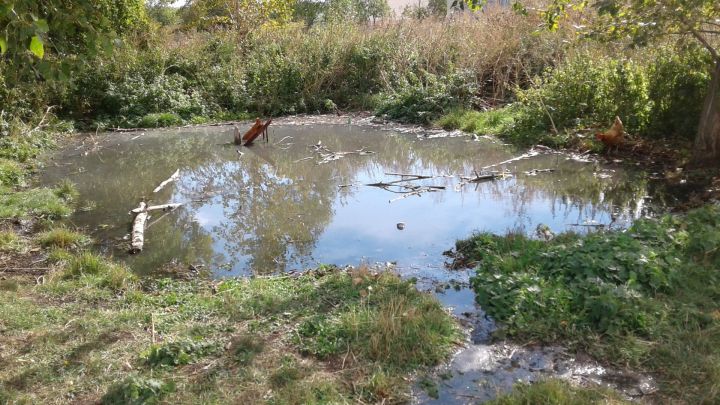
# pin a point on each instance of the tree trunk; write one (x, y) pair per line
(707, 144)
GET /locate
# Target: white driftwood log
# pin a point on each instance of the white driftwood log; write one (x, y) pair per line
(163, 207)
(170, 179)
(138, 230)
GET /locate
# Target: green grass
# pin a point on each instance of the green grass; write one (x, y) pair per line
(37, 202)
(92, 269)
(646, 297)
(10, 241)
(199, 342)
(63, 238)
(555, 392)
(491, 122)
(157, 120)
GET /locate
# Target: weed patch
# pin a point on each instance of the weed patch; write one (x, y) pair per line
(638, 297)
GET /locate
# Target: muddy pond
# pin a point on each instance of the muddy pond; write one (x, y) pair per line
(300, 201)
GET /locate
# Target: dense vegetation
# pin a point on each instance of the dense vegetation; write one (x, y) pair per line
(86, 329)
(646, 297)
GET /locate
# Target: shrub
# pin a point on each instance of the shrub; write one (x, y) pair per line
(11, 173)
(658, 93)
(603, 284)
(586, 90)
(677, 83)
(424, 98)
(9, 240)
(396, 325)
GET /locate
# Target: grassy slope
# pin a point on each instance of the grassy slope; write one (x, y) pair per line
(324, 336)
(648, 297)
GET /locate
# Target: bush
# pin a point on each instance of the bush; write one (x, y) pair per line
(603, 284)
(422, 99)
(677, 84)
(587, 90)
(11, 173)
(658, 93)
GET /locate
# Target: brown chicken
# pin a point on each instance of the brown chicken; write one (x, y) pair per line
(613, 137)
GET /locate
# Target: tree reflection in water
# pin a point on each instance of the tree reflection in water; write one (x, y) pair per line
(271, 210)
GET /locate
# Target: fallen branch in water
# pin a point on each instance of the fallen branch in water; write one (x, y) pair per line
(138, 230)
(172, 178)
(326, 155)
(164, 207)
(418, 192)
(533, 172)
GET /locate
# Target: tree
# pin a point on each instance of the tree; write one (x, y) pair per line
(45, 37)
(366, 10)
(642, 20)
(243, 16)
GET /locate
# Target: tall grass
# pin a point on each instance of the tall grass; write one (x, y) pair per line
(294, 69)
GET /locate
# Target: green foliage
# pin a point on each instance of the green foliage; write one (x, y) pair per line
(677, 84)
(163, 101)
(604, 284)
(422, 99)
(67, 190)
(585, 91)
(137, 390)
(34, 34)
(287, 373)
(556, 392)
(158, 120)
(657, 94)
(179, 353)
(245, 347)
(492, 122)
(11, 173)
(16, 144)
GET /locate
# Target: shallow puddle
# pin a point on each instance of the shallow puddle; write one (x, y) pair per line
(287, 205)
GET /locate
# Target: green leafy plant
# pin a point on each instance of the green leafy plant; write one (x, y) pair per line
(179, 353)
(138, 390)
